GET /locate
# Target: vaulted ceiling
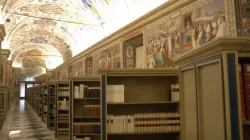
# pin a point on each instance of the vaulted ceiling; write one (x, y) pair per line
(45, 33)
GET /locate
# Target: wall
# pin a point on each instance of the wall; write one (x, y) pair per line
(170, 30)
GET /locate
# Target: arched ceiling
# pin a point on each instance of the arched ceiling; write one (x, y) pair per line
(60, 29)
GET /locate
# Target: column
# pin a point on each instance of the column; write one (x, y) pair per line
(9, 72)
(2, 34)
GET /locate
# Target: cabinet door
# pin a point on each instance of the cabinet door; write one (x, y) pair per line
(189, 130)
(210, 101)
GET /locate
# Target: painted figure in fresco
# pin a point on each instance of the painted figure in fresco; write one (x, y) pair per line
(200, 39)
(109, 61)
(222, 29)
(130, 56)
(188, 32)
(151, 60)
(215, 28)
(208, 31)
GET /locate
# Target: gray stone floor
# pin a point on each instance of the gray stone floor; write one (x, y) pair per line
(22, 123)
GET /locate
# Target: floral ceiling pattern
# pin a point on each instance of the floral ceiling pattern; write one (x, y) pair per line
(65, 27)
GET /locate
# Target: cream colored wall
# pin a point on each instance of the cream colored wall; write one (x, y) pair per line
(167, 19)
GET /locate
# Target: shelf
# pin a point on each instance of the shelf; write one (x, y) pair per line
(87, 117)
(63, 109)
(87, 134)
(144, 133)
(63, 96)
(246, 122)
(144, 103)
(86, 98)
(63, 122)
(63, 129)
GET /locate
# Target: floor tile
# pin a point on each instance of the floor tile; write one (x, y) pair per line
(22, 123)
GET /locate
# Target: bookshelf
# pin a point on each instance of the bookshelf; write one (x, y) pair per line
(29, 96)
(44, 91)
(211, 83)
(140, 104)
(62, 110)
(37, 99)
(244, 77)
(4, 104)
(51, 106)
(40, 93)
(85, 118)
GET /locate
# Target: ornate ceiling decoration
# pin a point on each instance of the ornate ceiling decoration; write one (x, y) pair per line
(65, 27)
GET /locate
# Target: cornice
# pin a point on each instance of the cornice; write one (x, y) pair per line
(158, 13)
(139, 72)
(86, 79)
(239, 44)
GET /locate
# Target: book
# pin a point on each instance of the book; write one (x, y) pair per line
(246, 84)
(144, 123)
(242, 93)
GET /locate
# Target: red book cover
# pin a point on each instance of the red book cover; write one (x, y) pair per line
(246, 89)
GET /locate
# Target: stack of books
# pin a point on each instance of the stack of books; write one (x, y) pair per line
(244, 76)
(175, 93)
(63, 91)
(143, 123)
(63, 118)
(86, 128)
(91, 110)
(115, 93)
(84, 91)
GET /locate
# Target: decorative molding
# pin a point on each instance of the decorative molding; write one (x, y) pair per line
(230, 16)
(214, 47)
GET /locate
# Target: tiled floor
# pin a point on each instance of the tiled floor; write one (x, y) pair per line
(22, 123)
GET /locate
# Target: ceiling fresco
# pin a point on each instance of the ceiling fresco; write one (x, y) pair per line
(65, 27)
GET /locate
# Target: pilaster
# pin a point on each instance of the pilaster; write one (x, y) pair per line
(4, 54)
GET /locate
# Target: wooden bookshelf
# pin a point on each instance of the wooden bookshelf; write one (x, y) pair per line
(85, 118)
(41, 100)
(44, 91)
(51, 106)
(62, 110)
(211, 84)
(4, 104)
(132, 99)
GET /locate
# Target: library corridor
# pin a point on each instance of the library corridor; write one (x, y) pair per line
(22, 123)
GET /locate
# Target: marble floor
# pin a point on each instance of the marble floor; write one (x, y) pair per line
(22, 123)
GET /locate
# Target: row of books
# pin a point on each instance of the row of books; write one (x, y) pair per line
(63, 104)
(63, 93)
(84, 91)
(244, 76)
(85, 138)
(91, 110)
(63, 119)
(86, 128)
(175, 93)
(115, 93)
(144, 122)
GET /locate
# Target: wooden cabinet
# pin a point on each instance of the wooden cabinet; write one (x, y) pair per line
(209, 83)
